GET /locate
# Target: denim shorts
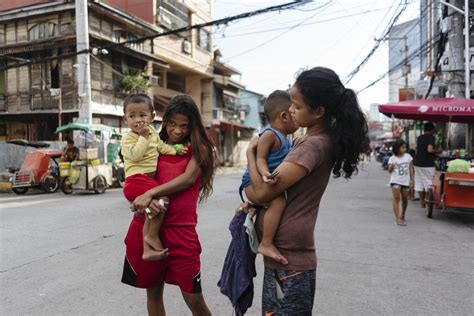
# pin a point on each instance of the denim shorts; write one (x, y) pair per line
(396, 185)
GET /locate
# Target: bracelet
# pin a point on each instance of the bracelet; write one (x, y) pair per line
(178, 148)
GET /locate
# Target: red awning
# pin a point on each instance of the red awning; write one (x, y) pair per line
(434, 110)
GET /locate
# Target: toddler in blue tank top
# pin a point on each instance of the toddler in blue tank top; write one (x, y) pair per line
(273, 146)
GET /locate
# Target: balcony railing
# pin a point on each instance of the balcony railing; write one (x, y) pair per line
(45, 101)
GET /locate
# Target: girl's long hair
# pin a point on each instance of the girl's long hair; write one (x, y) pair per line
(203, 149)
(321, 86)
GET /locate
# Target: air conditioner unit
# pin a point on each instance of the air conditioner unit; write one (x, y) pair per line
(154, 80)
(186, 47)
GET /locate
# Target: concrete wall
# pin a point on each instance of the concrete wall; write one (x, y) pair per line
(13, 4)
(253, 100)
(143, 9)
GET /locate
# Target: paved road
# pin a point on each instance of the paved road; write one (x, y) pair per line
(62, 255)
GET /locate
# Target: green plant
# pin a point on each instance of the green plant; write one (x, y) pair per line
(135, 84)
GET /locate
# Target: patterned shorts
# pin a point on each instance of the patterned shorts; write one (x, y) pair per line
(288, 292)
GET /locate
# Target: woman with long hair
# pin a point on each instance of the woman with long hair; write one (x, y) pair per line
(186, 180)
(336, 136)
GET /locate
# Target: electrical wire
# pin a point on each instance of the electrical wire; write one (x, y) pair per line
(224, 21)
(277, 36)
(387, 30)
(424, 48)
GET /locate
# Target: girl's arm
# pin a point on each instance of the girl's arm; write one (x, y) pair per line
(391, 167)
(412, 173)
(289, 174)
(178, 184)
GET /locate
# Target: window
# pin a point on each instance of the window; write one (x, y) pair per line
(3, 86)
(2, 34)
(54, 74)
(42, 30)
(176, 82)
(204, 39)
(172, 15)
(123, 36)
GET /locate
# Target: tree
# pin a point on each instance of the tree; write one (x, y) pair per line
(135, 84)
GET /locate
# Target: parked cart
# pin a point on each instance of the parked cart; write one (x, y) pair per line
(38, 170)
(89, 173)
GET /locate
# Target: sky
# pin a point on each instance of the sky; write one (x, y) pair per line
(270, 49)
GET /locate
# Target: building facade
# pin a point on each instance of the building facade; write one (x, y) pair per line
(228, 130)
(404, 60)
(253, 101)
(36, 98)
(189, 55)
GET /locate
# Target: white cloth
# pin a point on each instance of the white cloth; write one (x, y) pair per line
(252, 233)
(401, 174)
(424, 178)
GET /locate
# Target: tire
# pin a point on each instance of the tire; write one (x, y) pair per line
(50, 184)
(20, 190)
(430, 204)
(66, 186)
(100, 184)
(120, 176)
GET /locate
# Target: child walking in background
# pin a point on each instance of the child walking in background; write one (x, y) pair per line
(272, 148)
(140, 149)
(400, 166)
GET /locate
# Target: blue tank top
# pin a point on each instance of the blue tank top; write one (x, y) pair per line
(275, 158)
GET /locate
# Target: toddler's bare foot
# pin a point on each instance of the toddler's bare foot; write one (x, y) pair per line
(154, 242)
(272, 252)
(154, 255)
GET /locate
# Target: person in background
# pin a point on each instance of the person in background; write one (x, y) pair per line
(412, 196)
(70, 152)
(400, 167)
(425, 161)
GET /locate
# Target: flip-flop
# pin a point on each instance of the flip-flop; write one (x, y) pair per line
(401, 223)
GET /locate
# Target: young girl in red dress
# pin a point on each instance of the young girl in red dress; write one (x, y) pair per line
(186, 180)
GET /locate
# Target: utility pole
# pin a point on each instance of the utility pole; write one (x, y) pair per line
(83, 62)
(459, 47)
(458, 38)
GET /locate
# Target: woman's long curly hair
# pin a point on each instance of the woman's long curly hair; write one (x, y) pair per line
(203, 149)
(321, 86)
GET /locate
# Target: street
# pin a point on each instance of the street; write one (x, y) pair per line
(63, 255)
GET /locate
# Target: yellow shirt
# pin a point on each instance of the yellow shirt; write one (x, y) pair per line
(140, 154)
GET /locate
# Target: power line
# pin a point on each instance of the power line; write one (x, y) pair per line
(424, 48)
(387, 30)
(225, 21)
(305, 24)
(279, 35)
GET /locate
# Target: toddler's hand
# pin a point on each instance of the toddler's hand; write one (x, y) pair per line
(269, 178)
(142, 129)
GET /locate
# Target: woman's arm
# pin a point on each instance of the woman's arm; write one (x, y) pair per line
(289, 174)
(178, 184)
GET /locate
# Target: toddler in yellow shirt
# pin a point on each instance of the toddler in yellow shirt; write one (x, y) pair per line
(140, 149)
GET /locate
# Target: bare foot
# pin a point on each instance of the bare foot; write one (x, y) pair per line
(272, 252)
(154, 242)
(401, 222)
(154, 255)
